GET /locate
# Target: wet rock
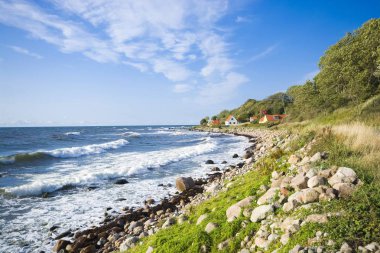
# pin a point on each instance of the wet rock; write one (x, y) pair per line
(261, 212)
(240, 165)
(235, 156)
(211, 227)
(224, 162)
(234, 211)
(53, 228)
(215, 169)
(64, 234)
(184, 183)
(121, 181)
(209, 162)
(88, 249)
(61, 244)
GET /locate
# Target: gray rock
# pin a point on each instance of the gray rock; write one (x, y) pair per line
(343, 175)
(345, 248)
(345, 189)
(223, 245)
(316, 157)
(269, 196)
(201, 218)
(316, 181)
(309, 196)
(127, 243)
(299, 182)
(261, 212)
(234, 211)
(316, 218)
(293, 159)
(150, 249)
(211, 227)
(169, 222)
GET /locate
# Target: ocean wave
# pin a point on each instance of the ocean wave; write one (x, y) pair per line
(117, 165)
(63, 152)
(72, 133)
(130, 134)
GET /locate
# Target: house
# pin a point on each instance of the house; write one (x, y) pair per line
(231, 121)
(214, 122)
(253, 118)
(272, 118)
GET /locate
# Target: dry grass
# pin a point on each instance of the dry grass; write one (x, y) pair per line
(363, 139)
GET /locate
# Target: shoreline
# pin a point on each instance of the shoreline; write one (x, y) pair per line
(126, 229)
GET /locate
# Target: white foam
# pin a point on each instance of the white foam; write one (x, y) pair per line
(86, 150)
(130, 134)
(112, 166)
(72, 133)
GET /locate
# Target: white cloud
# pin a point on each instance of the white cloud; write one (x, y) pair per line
(240, 19)
(264, 53)
(146, 35)
(182, 88)
(24, 51)
(224, 90)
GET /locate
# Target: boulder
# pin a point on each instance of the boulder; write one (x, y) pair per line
(299, 182)
(234, 211)
(293, 159)
(261, 212)
(184, 183)
(235, 156)
(316, 218)
(345, 190)
(269, 196)
(309, 196)
(316, 157)
(247, 155)
(343, 175)
(201, 218)
(121, 181)
(210, 227)
(209, 162)
(61, 244)
(127, 243)
(88, 249)
(223, 245)
(169, 222)
(316, 181)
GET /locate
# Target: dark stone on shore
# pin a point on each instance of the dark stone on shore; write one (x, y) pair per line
(54, 227)
(247, 155)
(88, 249)
(60, 245)
(200, 181)
(209, 162)
(121, 181)
(90, 188)
(224, 162)
(45, 195)
(149, 201)
(120, 199)
(235, 156)
(184, 183)
(64, 234)
(215, 169)
(161, 185)
(240, 165)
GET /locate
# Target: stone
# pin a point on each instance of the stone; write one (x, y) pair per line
(299, 182)
(215, 169)
(345, 248)
(210, 227)
(209, 162)
(285, 238)
(269, 196)
(247, 155)
(261, 212)
(235, 156)
(293, 159)
(88, 249)
(289, 206)
(326, 173)
(61, 244)
(127, 243)
(285, 182)
(182, 219)
(296, 197)
(345, 190)
(150, 249)
(296, 249)
(372, 247)
(316, 181)
(223, 245)
(287, 224)
(275, 175)
(234, 211)
(184, 183)
(309, 196)
(316, 157)
(213, 188)
(121, 181)
(316, 218)
(244, 251)
(201, 218)
(343, 175)
(262, 242)
(310, 172)
(169, 222)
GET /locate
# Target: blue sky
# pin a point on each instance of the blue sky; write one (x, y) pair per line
(158, 62)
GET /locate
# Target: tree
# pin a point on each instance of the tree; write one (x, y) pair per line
(214, 117)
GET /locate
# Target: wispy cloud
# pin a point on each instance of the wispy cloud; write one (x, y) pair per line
(241, 19)
(182, 88)
(25, 51)
(263, 53)
(146, 35)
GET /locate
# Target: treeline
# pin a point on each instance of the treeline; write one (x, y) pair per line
(349, 75)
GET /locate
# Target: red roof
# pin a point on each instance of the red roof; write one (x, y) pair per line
(273, 117)
(229, 117)
(215, 122)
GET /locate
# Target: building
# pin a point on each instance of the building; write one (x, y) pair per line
(253, 119)
(272, 118)
(231, 121)
(214, 122)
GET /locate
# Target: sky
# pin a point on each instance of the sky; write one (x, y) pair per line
(127, 62)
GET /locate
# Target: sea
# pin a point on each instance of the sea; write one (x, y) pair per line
(64, 177)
